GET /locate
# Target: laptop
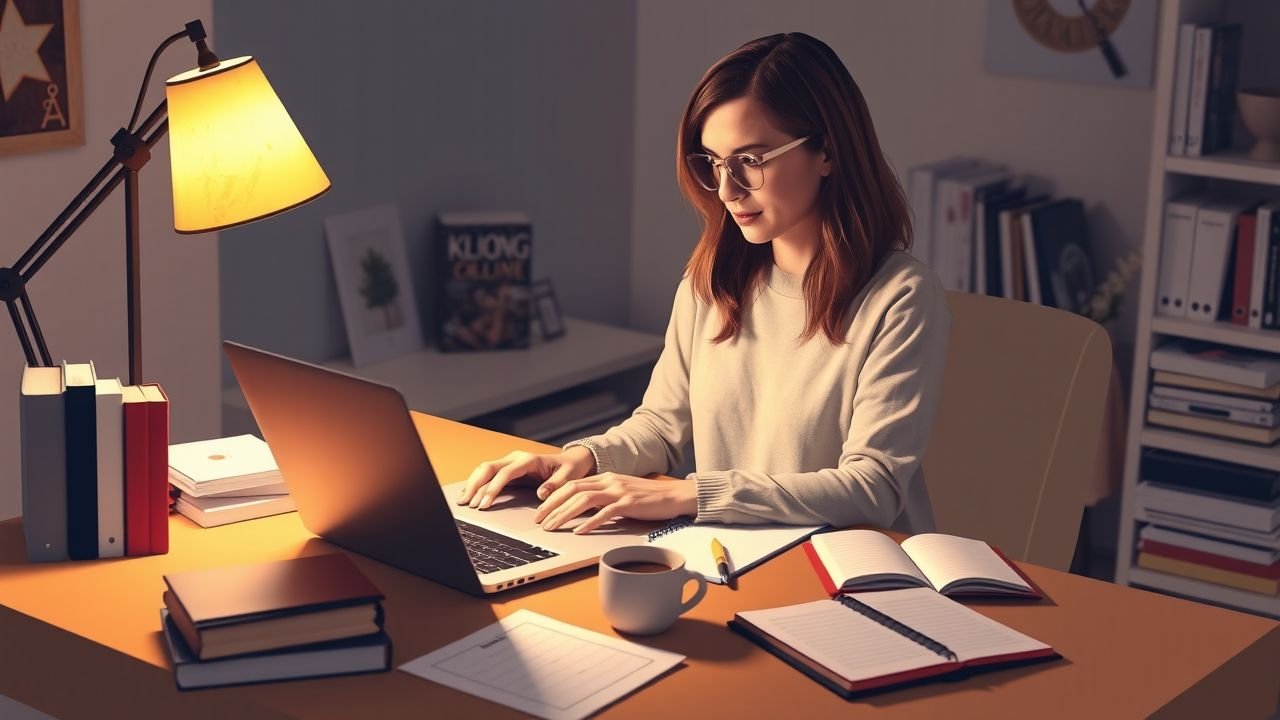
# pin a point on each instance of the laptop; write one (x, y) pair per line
(359, 473)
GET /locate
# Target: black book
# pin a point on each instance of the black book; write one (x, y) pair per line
(1271, 290)
(1220, 100)
(82, 460)
(989, 242)
(1205, 474)
(1063, 262)
(485, 263)
(369, 653)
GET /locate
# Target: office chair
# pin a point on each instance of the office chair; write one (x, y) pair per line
(1016, 434)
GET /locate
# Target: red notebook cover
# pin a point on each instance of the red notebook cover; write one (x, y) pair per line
(137, 532)
(830, 586)
(157, 468)
(1244, 268)
(1200, 557)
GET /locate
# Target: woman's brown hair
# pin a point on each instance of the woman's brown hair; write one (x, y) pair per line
(861, 205)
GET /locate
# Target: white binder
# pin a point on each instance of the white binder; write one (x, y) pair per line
(1258, 281)
(1176, 244)
(1214, 235)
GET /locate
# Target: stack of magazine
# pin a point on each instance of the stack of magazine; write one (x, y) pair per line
(226, 480)
(1216, 390)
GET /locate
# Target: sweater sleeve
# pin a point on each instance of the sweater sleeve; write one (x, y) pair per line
(653, 439)
(893, 410)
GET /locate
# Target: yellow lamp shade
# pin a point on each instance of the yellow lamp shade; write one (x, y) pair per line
(235, 153)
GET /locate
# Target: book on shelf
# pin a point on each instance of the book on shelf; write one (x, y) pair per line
(953, 224)
(1220, 99)
(1215, 361)
(1059, 263)
(1163, 537)
(1181, 89)
(1197, 96)
(1176, 246)
(214, 511)
(1264, 436)
(484, 263)
(1260, 277)
(849, 561)
(241, 464)
(989, 278)
(1208, 296)
(367, 653)
(1221, 531)
(1253, 404)
(1269, 571)
(43, 431)
(1257, 515)
(1217, 411)
(1176, 469)
(1013, 264)
(265, 606)
(922, 183)
(881, 640)
(1243, 257)
(1162, 377)
(1209, 574)
(110, 466)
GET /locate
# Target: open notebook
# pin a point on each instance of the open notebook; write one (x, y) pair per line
(884, 639)
(745, 545)
(857, 560)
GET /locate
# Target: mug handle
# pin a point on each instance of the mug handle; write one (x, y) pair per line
(697, 595)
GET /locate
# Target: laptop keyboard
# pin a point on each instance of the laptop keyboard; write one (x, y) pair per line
(491, 551)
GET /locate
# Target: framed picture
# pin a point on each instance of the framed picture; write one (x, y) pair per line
(1056, 39)
(40, 94)
(547, 308)
(371, 269)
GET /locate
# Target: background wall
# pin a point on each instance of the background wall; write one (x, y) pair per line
(919, 64)
(476, 105)
(79, 297)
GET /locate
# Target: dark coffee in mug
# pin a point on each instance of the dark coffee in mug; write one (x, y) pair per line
(638, 566)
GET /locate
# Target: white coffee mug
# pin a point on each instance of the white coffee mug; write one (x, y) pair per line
(641, 598)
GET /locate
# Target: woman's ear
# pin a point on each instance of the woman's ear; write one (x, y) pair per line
(825, 164)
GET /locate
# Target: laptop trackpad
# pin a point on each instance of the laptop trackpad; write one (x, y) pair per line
(515, 507)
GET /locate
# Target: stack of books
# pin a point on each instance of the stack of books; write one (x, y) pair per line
(306, 617)
(984, 231)
(1209, 520)
(94, 454)
(1204, 88)
(227, 480)
(1216, 390)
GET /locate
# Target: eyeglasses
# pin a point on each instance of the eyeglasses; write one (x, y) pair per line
(747, 170)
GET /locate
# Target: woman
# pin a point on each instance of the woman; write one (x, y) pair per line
(805, 350)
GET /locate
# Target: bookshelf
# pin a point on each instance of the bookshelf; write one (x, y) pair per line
(1169, 176)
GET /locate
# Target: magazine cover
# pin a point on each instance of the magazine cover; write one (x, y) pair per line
(485, 262)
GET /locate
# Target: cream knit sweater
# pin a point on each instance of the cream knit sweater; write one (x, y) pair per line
(795, 433)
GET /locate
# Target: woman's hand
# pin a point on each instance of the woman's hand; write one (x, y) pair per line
(616, 495)
(489, 478)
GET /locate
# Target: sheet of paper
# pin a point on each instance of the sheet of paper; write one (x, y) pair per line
(968, 633)
(544, 667)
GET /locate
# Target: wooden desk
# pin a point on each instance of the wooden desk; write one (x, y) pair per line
(82, 639)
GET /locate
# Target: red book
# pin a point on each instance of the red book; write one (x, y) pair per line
(157, 409)
(851, 561)
(1222, 562)
(137, 523)
(1244, 268)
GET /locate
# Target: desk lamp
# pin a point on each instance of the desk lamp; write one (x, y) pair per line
(235, 157)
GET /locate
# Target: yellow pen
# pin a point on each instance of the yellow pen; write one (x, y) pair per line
(722, 562)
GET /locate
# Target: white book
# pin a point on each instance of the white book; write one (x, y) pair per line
(110, 427)
(1251, 368)
(1261, 256)
(922, 182)
(1211, 410)
(220, 465)
(1176, 246)
(221, 511)
(953, 223)
(1181, 89)
(1031, 264)
(1214, 237)
(42, 425)
(1247, 553)
(1269, 539)
(1232, 401)
(1199, 89)
(1259, 517)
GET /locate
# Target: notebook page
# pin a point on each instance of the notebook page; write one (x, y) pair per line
(744, 545)
(945, 559)
(544, 667)
(966, 633)
(842, 640)
(851, 554)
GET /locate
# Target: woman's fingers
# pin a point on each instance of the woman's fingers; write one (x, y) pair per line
(606, 513)
(575, 506)
(483, 473)
(517, 468)
(567, 491)
(553, 483)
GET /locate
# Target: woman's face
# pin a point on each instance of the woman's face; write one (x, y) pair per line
(785, 207)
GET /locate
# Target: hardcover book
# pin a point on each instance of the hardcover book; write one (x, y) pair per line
(485, 263)
(44, 464)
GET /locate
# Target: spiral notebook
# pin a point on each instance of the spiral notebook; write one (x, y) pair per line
(885, 639)
(745, 545)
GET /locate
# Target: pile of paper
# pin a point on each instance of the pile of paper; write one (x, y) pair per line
(226, 480)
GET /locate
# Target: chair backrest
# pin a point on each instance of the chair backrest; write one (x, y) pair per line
(1018, 426)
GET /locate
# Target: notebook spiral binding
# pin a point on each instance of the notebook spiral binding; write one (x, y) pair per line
(677, 524)
(897, 627)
